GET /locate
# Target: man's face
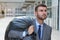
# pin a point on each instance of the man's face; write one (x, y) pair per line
(41, 13)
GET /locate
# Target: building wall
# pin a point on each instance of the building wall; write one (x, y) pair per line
(59, 15)
(54, 13)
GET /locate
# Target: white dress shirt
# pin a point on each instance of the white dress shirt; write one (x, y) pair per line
(37, 24)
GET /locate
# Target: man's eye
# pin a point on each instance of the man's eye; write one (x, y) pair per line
(41, 10)
(45, 10)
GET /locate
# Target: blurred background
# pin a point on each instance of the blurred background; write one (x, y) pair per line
(10, 9)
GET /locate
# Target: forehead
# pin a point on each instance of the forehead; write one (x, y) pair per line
(42, 8)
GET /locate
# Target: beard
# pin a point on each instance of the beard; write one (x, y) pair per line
(41, 17)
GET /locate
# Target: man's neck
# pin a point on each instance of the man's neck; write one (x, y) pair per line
(40, 21)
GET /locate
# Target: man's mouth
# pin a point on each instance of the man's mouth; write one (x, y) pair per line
(44, 15)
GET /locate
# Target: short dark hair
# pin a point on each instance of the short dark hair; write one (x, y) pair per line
(40, 5)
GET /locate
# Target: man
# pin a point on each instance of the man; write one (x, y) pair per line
(2, 11)
(39, 30)
(42, 30)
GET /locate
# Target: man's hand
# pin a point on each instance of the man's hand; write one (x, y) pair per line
(31, 29)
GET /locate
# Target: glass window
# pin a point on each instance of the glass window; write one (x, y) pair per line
(43, 2)
(49, 12)
(19, 12)
(49, 3)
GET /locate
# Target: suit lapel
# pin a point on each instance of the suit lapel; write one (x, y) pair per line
(44, 32)
(35, 29)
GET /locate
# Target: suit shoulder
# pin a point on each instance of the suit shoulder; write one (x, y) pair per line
(49, 27)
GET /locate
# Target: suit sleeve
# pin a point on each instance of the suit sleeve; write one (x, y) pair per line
(50, 34)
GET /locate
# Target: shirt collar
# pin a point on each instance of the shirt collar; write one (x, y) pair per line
(38, 23)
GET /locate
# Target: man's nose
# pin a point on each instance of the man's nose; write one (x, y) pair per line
(44, 12)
